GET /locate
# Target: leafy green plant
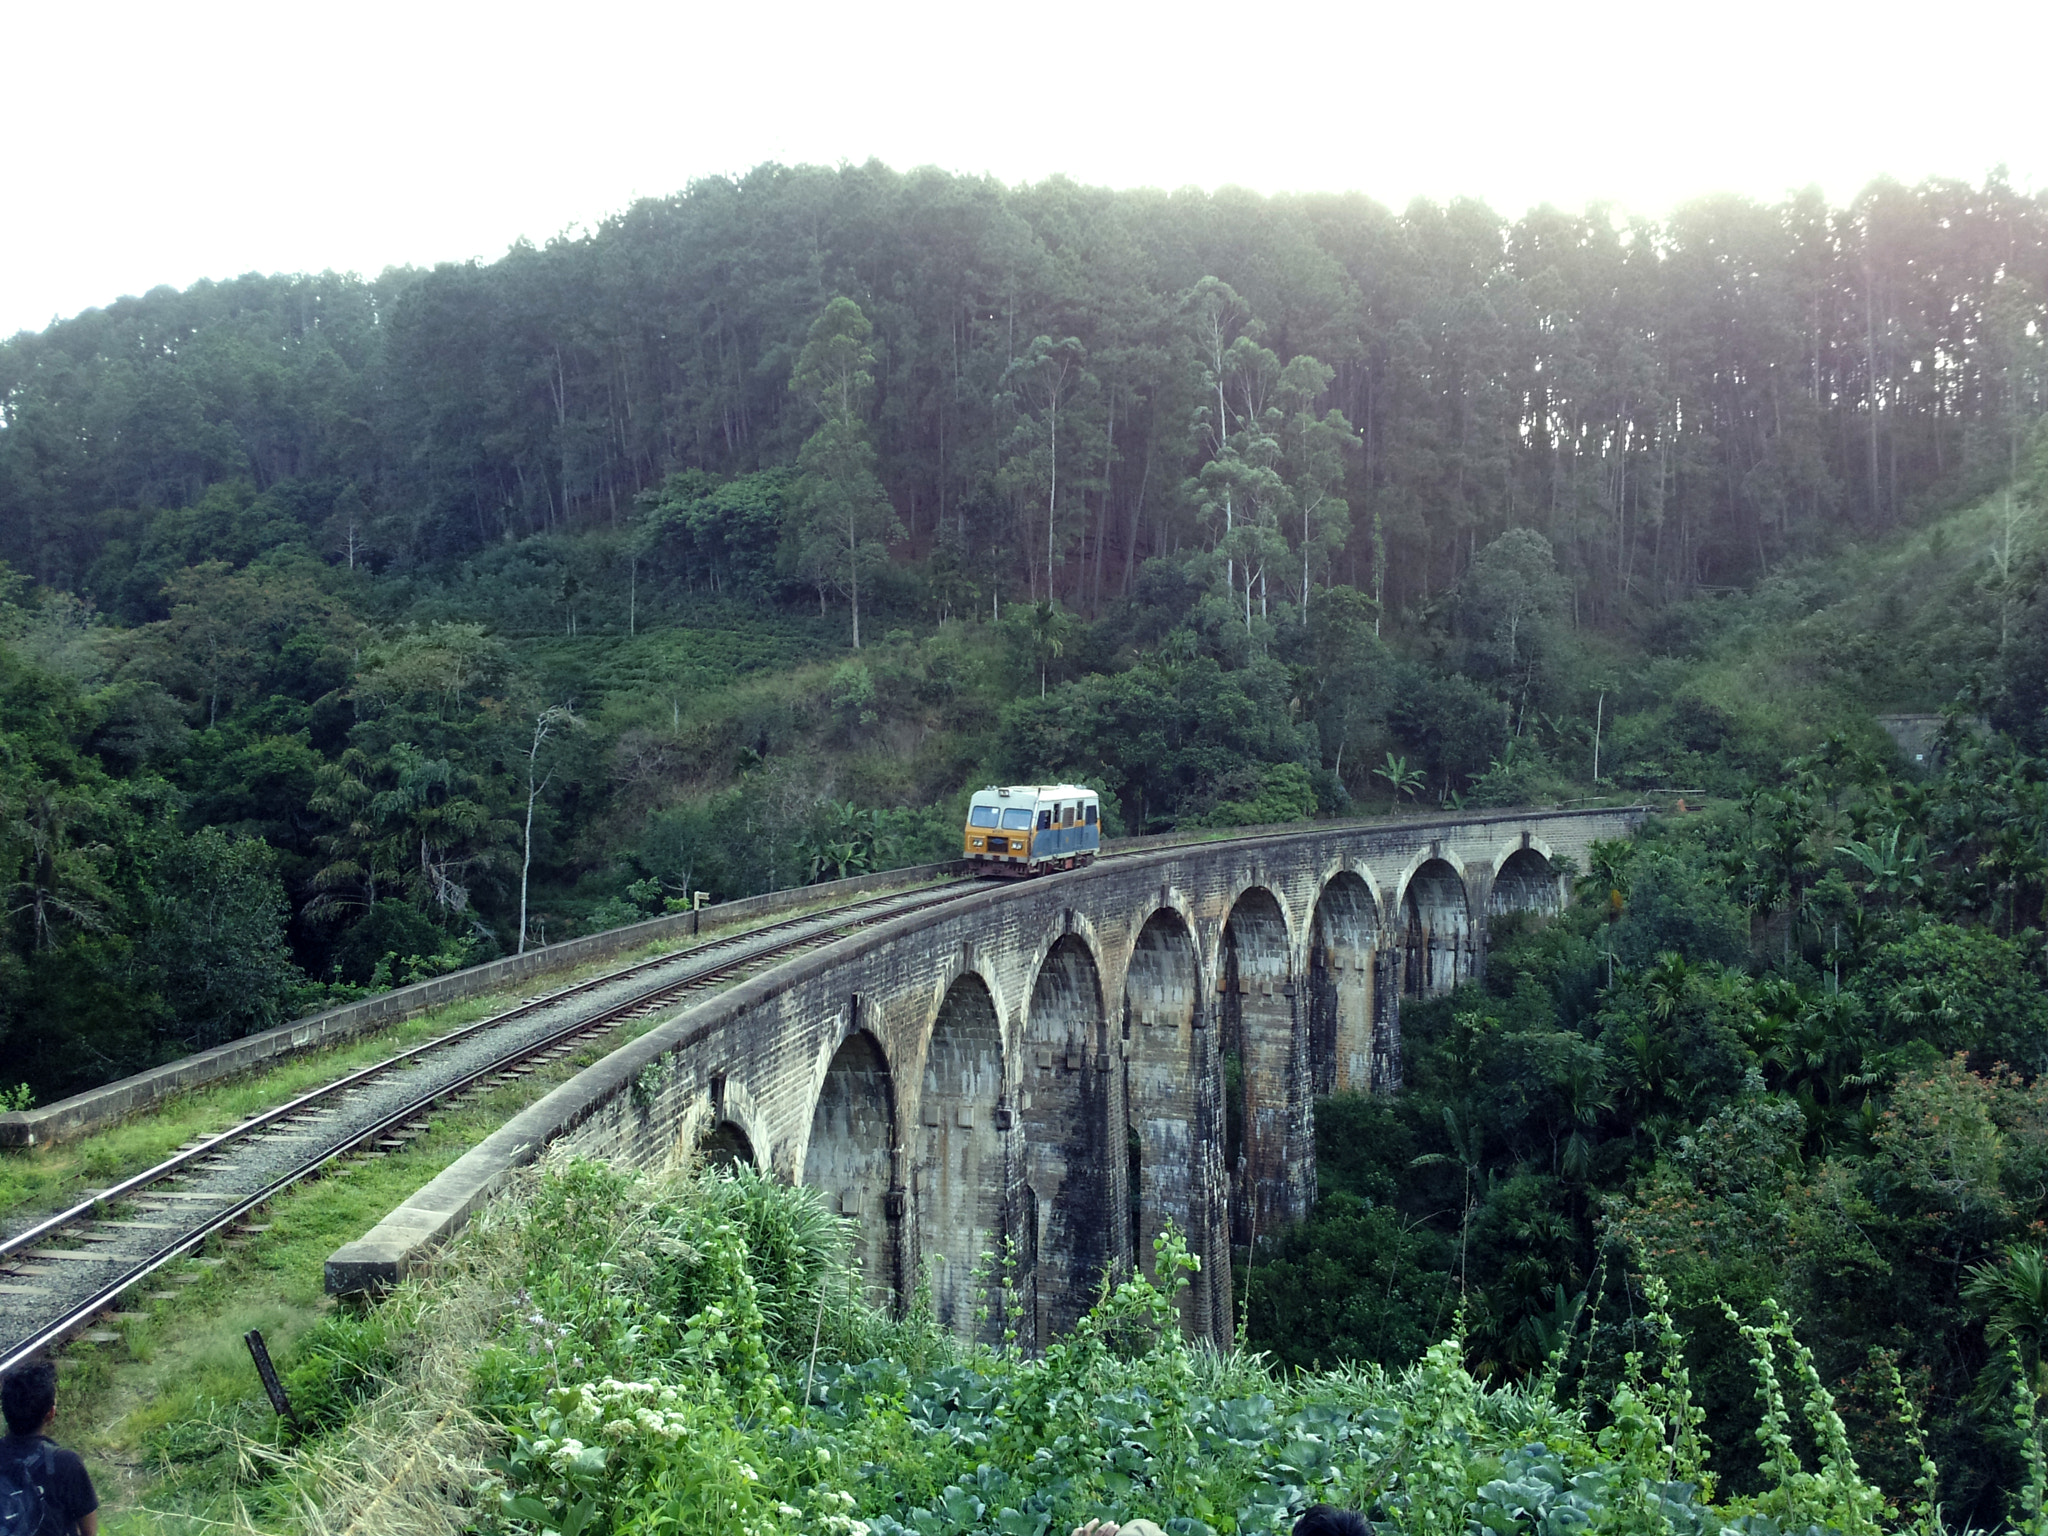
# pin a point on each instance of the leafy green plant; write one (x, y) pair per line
(1404, 781)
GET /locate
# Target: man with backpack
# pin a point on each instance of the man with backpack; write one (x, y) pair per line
(44, 1489)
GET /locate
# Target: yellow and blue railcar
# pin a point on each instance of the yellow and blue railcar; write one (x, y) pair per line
(1029, 829)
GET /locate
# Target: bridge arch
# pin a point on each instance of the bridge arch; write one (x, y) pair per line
(733, 1125)
(957, 1183)
(1429, 853)
(1268, 1153)
(1525, 879)
(1064, 925)
(849, 1156)
(1344, 986)
(1438, 936)
(1173, 1164)
(1065, 1232)
(727, 1145)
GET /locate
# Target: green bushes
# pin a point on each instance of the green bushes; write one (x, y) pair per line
(688, 1352)
(1790, 1051)
(343, 1360)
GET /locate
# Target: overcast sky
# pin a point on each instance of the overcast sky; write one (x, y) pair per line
(165, 142)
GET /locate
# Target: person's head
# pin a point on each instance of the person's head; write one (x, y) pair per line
(28, 1395)
(1328, 1520)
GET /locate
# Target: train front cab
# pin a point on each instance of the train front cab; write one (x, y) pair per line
(1031, 829)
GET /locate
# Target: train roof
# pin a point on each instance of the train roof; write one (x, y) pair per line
(1032, 791)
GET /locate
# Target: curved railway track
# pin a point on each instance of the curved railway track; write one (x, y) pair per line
(62, 1272)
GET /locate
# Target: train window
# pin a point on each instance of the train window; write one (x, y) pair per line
(1045, 821)
(1091, 815)
(1066, 815)
(1017, 819)
(982, 816)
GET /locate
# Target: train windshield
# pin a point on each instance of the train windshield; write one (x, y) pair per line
(982, 816)
(1017, 819)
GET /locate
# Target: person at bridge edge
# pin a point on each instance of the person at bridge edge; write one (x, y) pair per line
(44, 1489)
(1316, 1520)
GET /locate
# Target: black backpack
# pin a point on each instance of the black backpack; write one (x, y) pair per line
(22, 1505)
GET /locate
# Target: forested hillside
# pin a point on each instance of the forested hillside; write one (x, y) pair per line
(361, 628)
(355, 630)
(1671, 405)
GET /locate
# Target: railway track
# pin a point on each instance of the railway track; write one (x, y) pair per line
(60, 1274)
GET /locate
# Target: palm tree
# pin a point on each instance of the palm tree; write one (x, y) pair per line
(1606, 875)
(1665, 984)
(1050, 626)
(2014, 1294)
(1586, 1095)
(59, 876)
(1467, 1154)
(409, 820)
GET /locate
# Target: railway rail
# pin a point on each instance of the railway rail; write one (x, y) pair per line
(61, 1273)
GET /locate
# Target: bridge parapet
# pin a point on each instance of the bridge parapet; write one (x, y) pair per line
(1048, 1072)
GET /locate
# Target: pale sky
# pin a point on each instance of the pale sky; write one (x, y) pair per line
(165, 142)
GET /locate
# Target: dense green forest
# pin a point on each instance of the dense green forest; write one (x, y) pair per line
(1672, 405)
(358, 629)
(1789, 1049)
(352, 631)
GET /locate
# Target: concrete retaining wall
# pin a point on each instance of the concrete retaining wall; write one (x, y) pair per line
(97, 1108)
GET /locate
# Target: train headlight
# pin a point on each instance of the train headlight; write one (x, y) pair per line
(979, 842)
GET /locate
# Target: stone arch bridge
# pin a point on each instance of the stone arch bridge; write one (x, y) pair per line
(1012, 1095)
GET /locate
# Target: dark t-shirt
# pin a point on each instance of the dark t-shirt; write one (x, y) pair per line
(67, 1488)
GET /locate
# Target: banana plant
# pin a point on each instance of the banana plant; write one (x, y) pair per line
(1405, 781)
